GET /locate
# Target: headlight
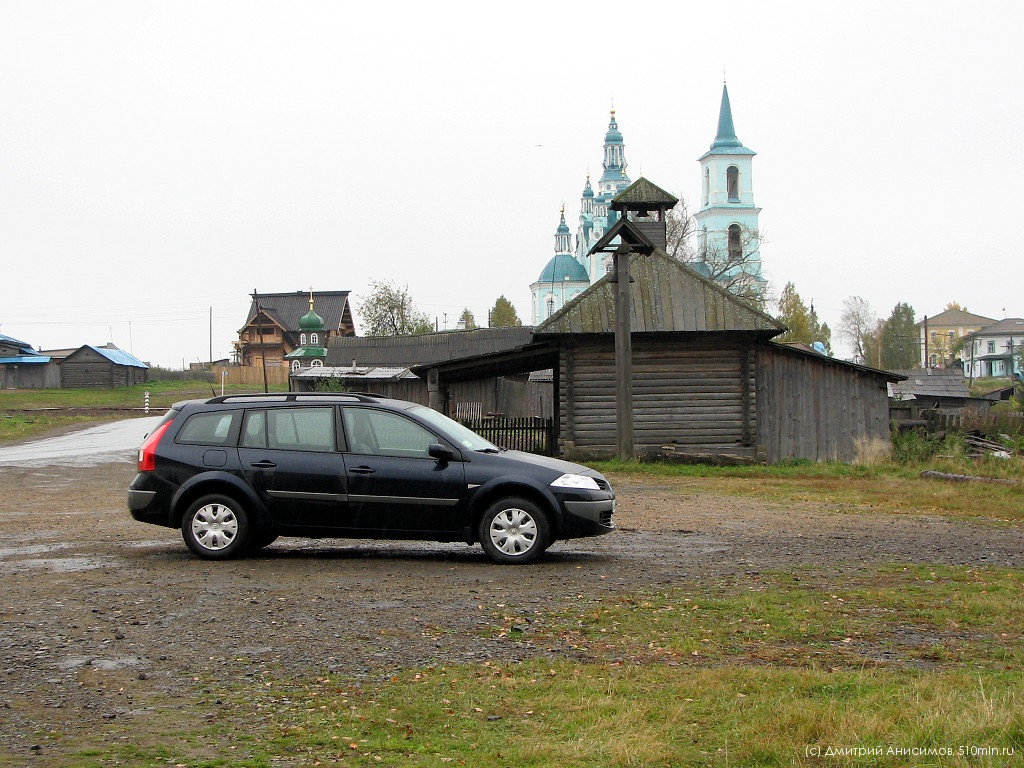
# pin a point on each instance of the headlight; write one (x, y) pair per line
(576, 481)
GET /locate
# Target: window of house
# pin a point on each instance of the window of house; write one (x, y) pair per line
(296, 365)
(735, 246)
(934, 360)
(302, 339)
(935, 337)
(991, 347)
(317, 363)
(732, 183)
(314, 339)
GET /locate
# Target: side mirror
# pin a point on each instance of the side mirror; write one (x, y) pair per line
(440, 452)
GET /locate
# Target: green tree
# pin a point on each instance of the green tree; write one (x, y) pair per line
(899, 339)
(389, 311)
(793, 314)
(801, 322)
(467, 319)
(503, 315)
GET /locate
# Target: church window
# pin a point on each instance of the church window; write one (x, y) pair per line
(735, 245)
(295, 366)
(302, 339)
(707, 185)
(314, 339)
(732, 182)
(317, 363)
(704, 242)
(550, 306)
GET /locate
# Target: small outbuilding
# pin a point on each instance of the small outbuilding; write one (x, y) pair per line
(105, 366)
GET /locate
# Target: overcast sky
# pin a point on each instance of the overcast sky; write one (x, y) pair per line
(159, 159)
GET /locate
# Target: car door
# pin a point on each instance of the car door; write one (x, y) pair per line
(290, 458)
(395, 487)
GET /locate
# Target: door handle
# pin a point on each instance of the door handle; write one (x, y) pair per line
(362, 470)
(265, 464)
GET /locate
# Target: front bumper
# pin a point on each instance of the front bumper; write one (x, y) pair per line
(587, 516)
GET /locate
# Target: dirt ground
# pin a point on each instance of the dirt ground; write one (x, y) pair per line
(104, 621)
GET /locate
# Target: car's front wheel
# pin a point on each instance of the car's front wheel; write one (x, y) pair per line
(215, 527)
(514, 530)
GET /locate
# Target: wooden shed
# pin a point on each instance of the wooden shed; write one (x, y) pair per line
(105, 366)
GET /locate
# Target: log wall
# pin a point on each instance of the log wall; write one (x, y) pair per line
(690, 396)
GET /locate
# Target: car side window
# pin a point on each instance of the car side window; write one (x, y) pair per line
(254, 430)
(300, 429)
(381, 433)
(207, 428)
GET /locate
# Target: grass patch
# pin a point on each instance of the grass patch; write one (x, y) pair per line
(771, 669)
(26, 413)
(890, 487)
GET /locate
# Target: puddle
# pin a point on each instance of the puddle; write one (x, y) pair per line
(56, 564)
(33, 549)
(107, 665)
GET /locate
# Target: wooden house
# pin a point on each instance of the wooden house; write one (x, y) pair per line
(707, 380)
(105, 366)
(273, 330)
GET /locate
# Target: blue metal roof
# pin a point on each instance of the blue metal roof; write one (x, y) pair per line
(25, 359)
(119, 357)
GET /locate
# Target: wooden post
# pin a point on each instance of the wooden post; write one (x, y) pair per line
(623, 356)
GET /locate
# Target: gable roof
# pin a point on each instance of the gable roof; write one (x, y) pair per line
(408, 351)
(1010, 326)
(930, 382)
(667, 296)
(956, 317)
(114, 355)
(287, 309)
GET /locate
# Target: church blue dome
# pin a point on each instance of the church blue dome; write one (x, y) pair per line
(563, 268)
(588, 191)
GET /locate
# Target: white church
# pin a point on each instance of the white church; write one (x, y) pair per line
(726, 222)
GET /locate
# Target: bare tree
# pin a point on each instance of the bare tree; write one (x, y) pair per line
(857, 325)
(731, 263)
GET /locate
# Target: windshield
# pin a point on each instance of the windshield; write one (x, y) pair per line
(464, 437)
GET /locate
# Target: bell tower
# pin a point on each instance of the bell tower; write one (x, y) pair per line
(728, 238)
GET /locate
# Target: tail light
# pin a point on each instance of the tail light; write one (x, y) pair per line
(147, 451)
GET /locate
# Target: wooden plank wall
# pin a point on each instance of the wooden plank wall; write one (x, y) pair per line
(692, 393)
(811, 408)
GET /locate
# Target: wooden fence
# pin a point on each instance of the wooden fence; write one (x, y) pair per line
(993, 423)
(531, 434)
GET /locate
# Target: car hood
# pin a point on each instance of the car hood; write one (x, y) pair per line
(557, 466)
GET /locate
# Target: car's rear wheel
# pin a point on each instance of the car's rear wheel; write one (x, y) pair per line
(215, 527)
(514, 530)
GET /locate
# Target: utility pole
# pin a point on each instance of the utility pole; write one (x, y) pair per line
(623, 355)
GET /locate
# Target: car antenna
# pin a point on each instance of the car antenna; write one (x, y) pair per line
(206, 375)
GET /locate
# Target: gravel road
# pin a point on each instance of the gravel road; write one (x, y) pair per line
(99, 612)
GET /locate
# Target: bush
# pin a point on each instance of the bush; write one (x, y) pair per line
(913, 447)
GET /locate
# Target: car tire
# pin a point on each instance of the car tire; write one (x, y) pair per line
(514, 530)
(215, 527)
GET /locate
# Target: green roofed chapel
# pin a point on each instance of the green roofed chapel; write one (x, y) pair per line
(283, 329)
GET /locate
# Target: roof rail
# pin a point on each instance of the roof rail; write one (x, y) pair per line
(287, 397)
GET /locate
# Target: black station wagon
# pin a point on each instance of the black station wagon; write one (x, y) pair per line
(237, 471)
